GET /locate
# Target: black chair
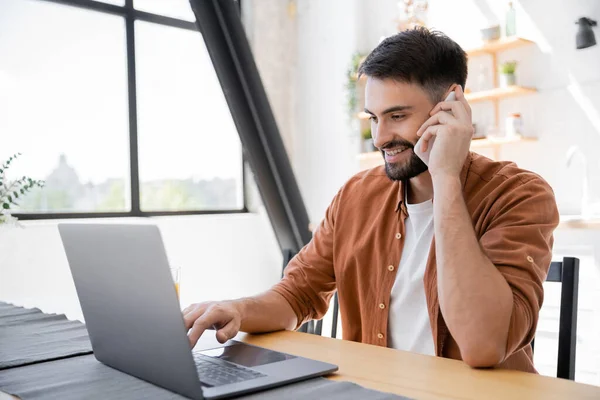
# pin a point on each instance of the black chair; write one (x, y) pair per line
(567, 273)
(334, 319)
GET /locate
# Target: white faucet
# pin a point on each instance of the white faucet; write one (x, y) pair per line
(585, 204)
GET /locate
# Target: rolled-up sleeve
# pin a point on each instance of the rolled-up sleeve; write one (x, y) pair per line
(518, 240)
(309, 279)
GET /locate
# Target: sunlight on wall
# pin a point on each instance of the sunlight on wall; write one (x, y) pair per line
(528, 29)
(584, 102)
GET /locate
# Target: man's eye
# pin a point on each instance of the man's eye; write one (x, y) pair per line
(397, 117)
(373, 118)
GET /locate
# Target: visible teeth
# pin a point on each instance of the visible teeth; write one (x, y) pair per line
(393, 152)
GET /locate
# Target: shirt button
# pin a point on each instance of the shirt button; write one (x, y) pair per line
(382, 306)
(390, 267)
(530, 259)
(398, 235)
(380, 335)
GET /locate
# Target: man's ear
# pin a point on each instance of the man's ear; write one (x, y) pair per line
(451, 89)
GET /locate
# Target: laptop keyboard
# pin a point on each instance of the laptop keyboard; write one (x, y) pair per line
(213, 373)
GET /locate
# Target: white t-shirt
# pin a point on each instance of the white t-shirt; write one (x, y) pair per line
(409, 328)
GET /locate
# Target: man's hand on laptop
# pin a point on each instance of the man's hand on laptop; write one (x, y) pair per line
(224, 317)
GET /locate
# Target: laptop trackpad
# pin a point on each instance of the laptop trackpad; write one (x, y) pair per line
(246, 355)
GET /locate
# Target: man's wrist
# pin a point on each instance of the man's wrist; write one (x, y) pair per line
(445, 181)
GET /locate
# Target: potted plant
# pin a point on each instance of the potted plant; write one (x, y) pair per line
(367, 141)
(352, 85)
(11, 192)
(507, 76)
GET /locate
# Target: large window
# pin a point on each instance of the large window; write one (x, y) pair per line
(110, 139)
(171, 8)
(190, 155)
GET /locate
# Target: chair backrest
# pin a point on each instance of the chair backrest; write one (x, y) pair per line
(567, 273)
(334, 319)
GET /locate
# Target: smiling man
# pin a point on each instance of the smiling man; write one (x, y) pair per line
(446, 259)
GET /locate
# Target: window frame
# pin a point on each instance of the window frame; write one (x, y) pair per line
(130, 15)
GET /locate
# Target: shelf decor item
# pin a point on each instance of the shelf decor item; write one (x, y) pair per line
(508, 77)
(367, 141)
(513, 125)
(490, 33)
(510, 27)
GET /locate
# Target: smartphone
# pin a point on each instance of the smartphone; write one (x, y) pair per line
(424, 155)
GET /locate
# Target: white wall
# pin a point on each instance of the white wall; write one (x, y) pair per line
(220, 256)
(324, 142)
(272, 32)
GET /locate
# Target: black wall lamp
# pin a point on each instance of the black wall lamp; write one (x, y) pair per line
(585, 34)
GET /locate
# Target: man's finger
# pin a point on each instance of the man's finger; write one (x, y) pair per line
(440, 118)
(460, 96)
(228, 331)
(193, 315)
(427, 136)
(206, 321)
(455, 107)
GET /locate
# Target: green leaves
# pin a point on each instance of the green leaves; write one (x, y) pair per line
(7, 163)
(11, 191)
(508, 67)
(351, 84)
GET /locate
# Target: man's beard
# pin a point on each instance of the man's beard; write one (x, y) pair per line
(407, 170)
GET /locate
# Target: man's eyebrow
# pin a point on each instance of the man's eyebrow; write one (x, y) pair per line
(391, 109)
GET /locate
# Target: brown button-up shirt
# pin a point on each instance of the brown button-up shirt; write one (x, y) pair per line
(357, 248)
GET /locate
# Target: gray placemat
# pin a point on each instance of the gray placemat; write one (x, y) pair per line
(29, 336)
(85, 378)
(46, 356)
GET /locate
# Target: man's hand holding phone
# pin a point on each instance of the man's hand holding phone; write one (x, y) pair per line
(450, 126)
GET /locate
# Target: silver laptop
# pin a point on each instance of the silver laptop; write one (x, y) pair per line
(135, 324)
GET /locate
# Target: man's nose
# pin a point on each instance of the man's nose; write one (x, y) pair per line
(381, 135)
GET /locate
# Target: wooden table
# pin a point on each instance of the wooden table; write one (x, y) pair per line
(421, 377)
(415, 375)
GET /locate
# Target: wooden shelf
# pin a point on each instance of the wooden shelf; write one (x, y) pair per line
(493, 142)
(374, 158)
(498, 93)
(498, 45)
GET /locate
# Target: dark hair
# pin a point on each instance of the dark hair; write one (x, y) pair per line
(428, 58)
